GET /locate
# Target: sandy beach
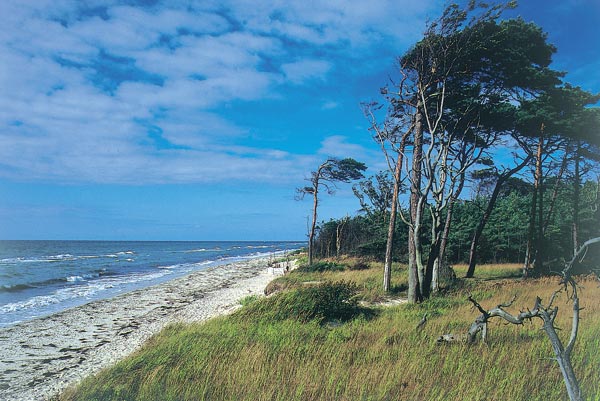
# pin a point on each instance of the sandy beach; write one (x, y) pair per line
(40, 358)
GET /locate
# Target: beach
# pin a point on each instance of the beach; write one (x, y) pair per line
(41, 357)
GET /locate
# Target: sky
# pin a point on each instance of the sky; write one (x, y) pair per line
(185, 120)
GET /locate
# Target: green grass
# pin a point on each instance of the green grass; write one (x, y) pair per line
(369, 357)
(322, 266)
(492, 271)
(370, 280)
(247, 300)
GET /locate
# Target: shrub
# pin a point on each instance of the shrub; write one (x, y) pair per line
(323, 302)
(360, 265)
(321, 267)
(282, 283)
(374, 249)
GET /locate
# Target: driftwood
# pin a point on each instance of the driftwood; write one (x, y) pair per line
(547, 313)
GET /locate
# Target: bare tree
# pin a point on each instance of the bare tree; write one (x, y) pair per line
(386, 135)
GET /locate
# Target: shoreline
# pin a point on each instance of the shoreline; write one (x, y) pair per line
(42, 357)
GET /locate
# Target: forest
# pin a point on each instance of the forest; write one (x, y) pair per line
(503, 239)
(493, 157)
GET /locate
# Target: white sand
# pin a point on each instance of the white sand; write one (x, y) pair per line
(40, 358)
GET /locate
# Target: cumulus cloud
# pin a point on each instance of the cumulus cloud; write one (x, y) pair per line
(353, 22)
(99, 91)
(338, 146)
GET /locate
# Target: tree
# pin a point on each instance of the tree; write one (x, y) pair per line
(500, 179)
(558, 119)
(417, 107)
(330, 172)
(375, 194)
(454, 83)
(387, 135)
(586, 147)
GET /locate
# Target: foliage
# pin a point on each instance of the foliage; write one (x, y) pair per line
(375, 194)
(361, 235)
(330, 172)
(322, 266)
(322, 302)
(503, 239)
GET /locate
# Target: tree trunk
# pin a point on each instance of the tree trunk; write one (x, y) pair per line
(389, 248)
(539, 254)
(488, 212)
(311, 235)
(448, 222)
(430, 279)
(414, 290)
(532, 253)
(576, 189)
(338, 236)
(446, 232)
(561, 171)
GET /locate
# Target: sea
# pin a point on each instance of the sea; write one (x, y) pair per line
(39, 278)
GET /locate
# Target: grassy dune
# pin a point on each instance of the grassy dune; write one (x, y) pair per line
(375, 356)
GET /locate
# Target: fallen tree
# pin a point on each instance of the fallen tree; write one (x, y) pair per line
(547, 313)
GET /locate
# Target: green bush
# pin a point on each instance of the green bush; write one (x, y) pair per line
(360, 265)
(322, 267)
(323, 302)
(374, 249)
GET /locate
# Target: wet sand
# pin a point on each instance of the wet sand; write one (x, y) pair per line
(40, 358)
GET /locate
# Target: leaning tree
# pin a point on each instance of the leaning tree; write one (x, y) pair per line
(330, 172)
(467, 66)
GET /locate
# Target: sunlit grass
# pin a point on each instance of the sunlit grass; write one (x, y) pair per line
(491, 271)
(381, 357)
(369, 280)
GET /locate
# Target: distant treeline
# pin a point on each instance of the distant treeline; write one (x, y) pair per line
(504, 238)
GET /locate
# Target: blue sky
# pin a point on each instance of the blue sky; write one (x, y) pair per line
(182, 120)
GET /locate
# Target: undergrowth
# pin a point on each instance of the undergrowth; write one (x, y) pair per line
(322, 266)
(279, 348)
(321, 302)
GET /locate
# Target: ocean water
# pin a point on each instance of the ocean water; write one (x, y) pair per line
(38, 278)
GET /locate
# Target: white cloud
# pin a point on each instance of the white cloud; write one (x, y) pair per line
(304, 70)
(356, 22)
(97, 91)
(207, 56)
(338, 146)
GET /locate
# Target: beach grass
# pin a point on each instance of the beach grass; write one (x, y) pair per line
(371, 356)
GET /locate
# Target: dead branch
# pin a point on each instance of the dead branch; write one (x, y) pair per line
(546, 313)
(421, 324)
